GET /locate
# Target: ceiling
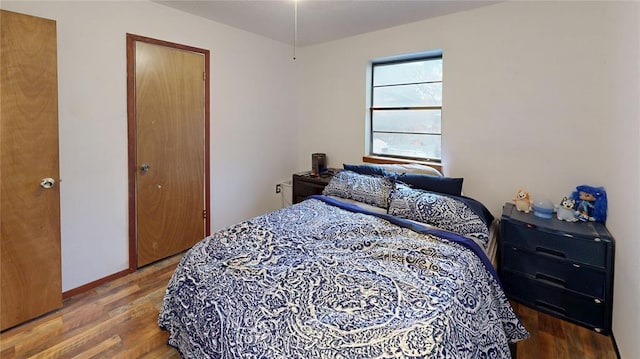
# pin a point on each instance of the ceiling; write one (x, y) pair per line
(318, 20)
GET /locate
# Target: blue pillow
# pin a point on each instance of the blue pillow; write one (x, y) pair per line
(446, 185)
(369, 170)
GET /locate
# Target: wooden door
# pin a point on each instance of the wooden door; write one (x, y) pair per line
(170, 146)
(30, 264)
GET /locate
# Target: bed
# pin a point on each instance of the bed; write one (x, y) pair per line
(373, 268)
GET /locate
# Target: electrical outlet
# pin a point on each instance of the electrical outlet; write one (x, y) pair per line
(278, 188)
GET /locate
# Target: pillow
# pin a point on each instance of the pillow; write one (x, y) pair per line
(446, 185)
(362, 188)
(411, 168)
(370, 170)
(392, 169)
(478, 208)
(439, 210)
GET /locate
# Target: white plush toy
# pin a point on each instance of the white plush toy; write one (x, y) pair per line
(565, 211)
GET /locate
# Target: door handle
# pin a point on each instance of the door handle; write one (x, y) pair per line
(145, 167)
(47, 183)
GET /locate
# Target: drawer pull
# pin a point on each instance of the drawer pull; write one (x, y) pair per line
(598, 301)
(551, 307)
(552, 280)
(550, 252)
(530, 226)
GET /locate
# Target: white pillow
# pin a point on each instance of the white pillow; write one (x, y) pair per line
(411, 168)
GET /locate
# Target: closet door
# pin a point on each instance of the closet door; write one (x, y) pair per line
(30, 273)
(168, 143)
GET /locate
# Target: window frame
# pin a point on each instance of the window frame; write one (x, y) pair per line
(422, 56)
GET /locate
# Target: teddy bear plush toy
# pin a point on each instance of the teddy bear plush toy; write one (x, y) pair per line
(522, 201)
(565, 211)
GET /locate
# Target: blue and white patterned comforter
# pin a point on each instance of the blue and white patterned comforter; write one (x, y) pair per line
(316, 281)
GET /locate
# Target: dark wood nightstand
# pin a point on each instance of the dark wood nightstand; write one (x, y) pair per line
(305, 184)
(558, 267)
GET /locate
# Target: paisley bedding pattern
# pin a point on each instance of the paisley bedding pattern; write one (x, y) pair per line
(314, 280)
(441, 211)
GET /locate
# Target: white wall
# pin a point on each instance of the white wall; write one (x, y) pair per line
(537, 95)
(251, 123)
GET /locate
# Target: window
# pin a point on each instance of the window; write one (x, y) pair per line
(406, 107)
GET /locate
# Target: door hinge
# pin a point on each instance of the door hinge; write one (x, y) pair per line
(204, 76)
(204, 214)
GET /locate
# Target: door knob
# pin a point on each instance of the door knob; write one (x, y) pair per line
(47, 183)
(145, 167)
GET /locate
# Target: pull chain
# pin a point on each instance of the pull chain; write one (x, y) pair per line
(295, 27)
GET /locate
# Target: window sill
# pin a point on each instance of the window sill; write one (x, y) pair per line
(384, 160)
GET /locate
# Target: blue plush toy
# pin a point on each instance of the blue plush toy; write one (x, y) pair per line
(591, 203)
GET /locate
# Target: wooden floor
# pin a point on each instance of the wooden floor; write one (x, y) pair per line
(555, 338)
(119, 320)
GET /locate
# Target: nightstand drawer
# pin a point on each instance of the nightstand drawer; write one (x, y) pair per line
(305, 184)
(575, 307)
(309, 189)
(562, 274)
(559, 245)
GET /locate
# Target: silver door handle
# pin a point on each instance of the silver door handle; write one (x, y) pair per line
(145, 167)
(47, 183)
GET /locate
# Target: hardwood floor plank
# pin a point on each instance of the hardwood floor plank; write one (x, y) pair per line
(34, 331)
(8, 352)
(551, 325)
(547, 343)
(80, 315)
(166, 352)
(121, 295)
(530, 347)
(555, 338)
(143, 345)
(40, 337)
(119, 320)
(100, 348)
(74, 344)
